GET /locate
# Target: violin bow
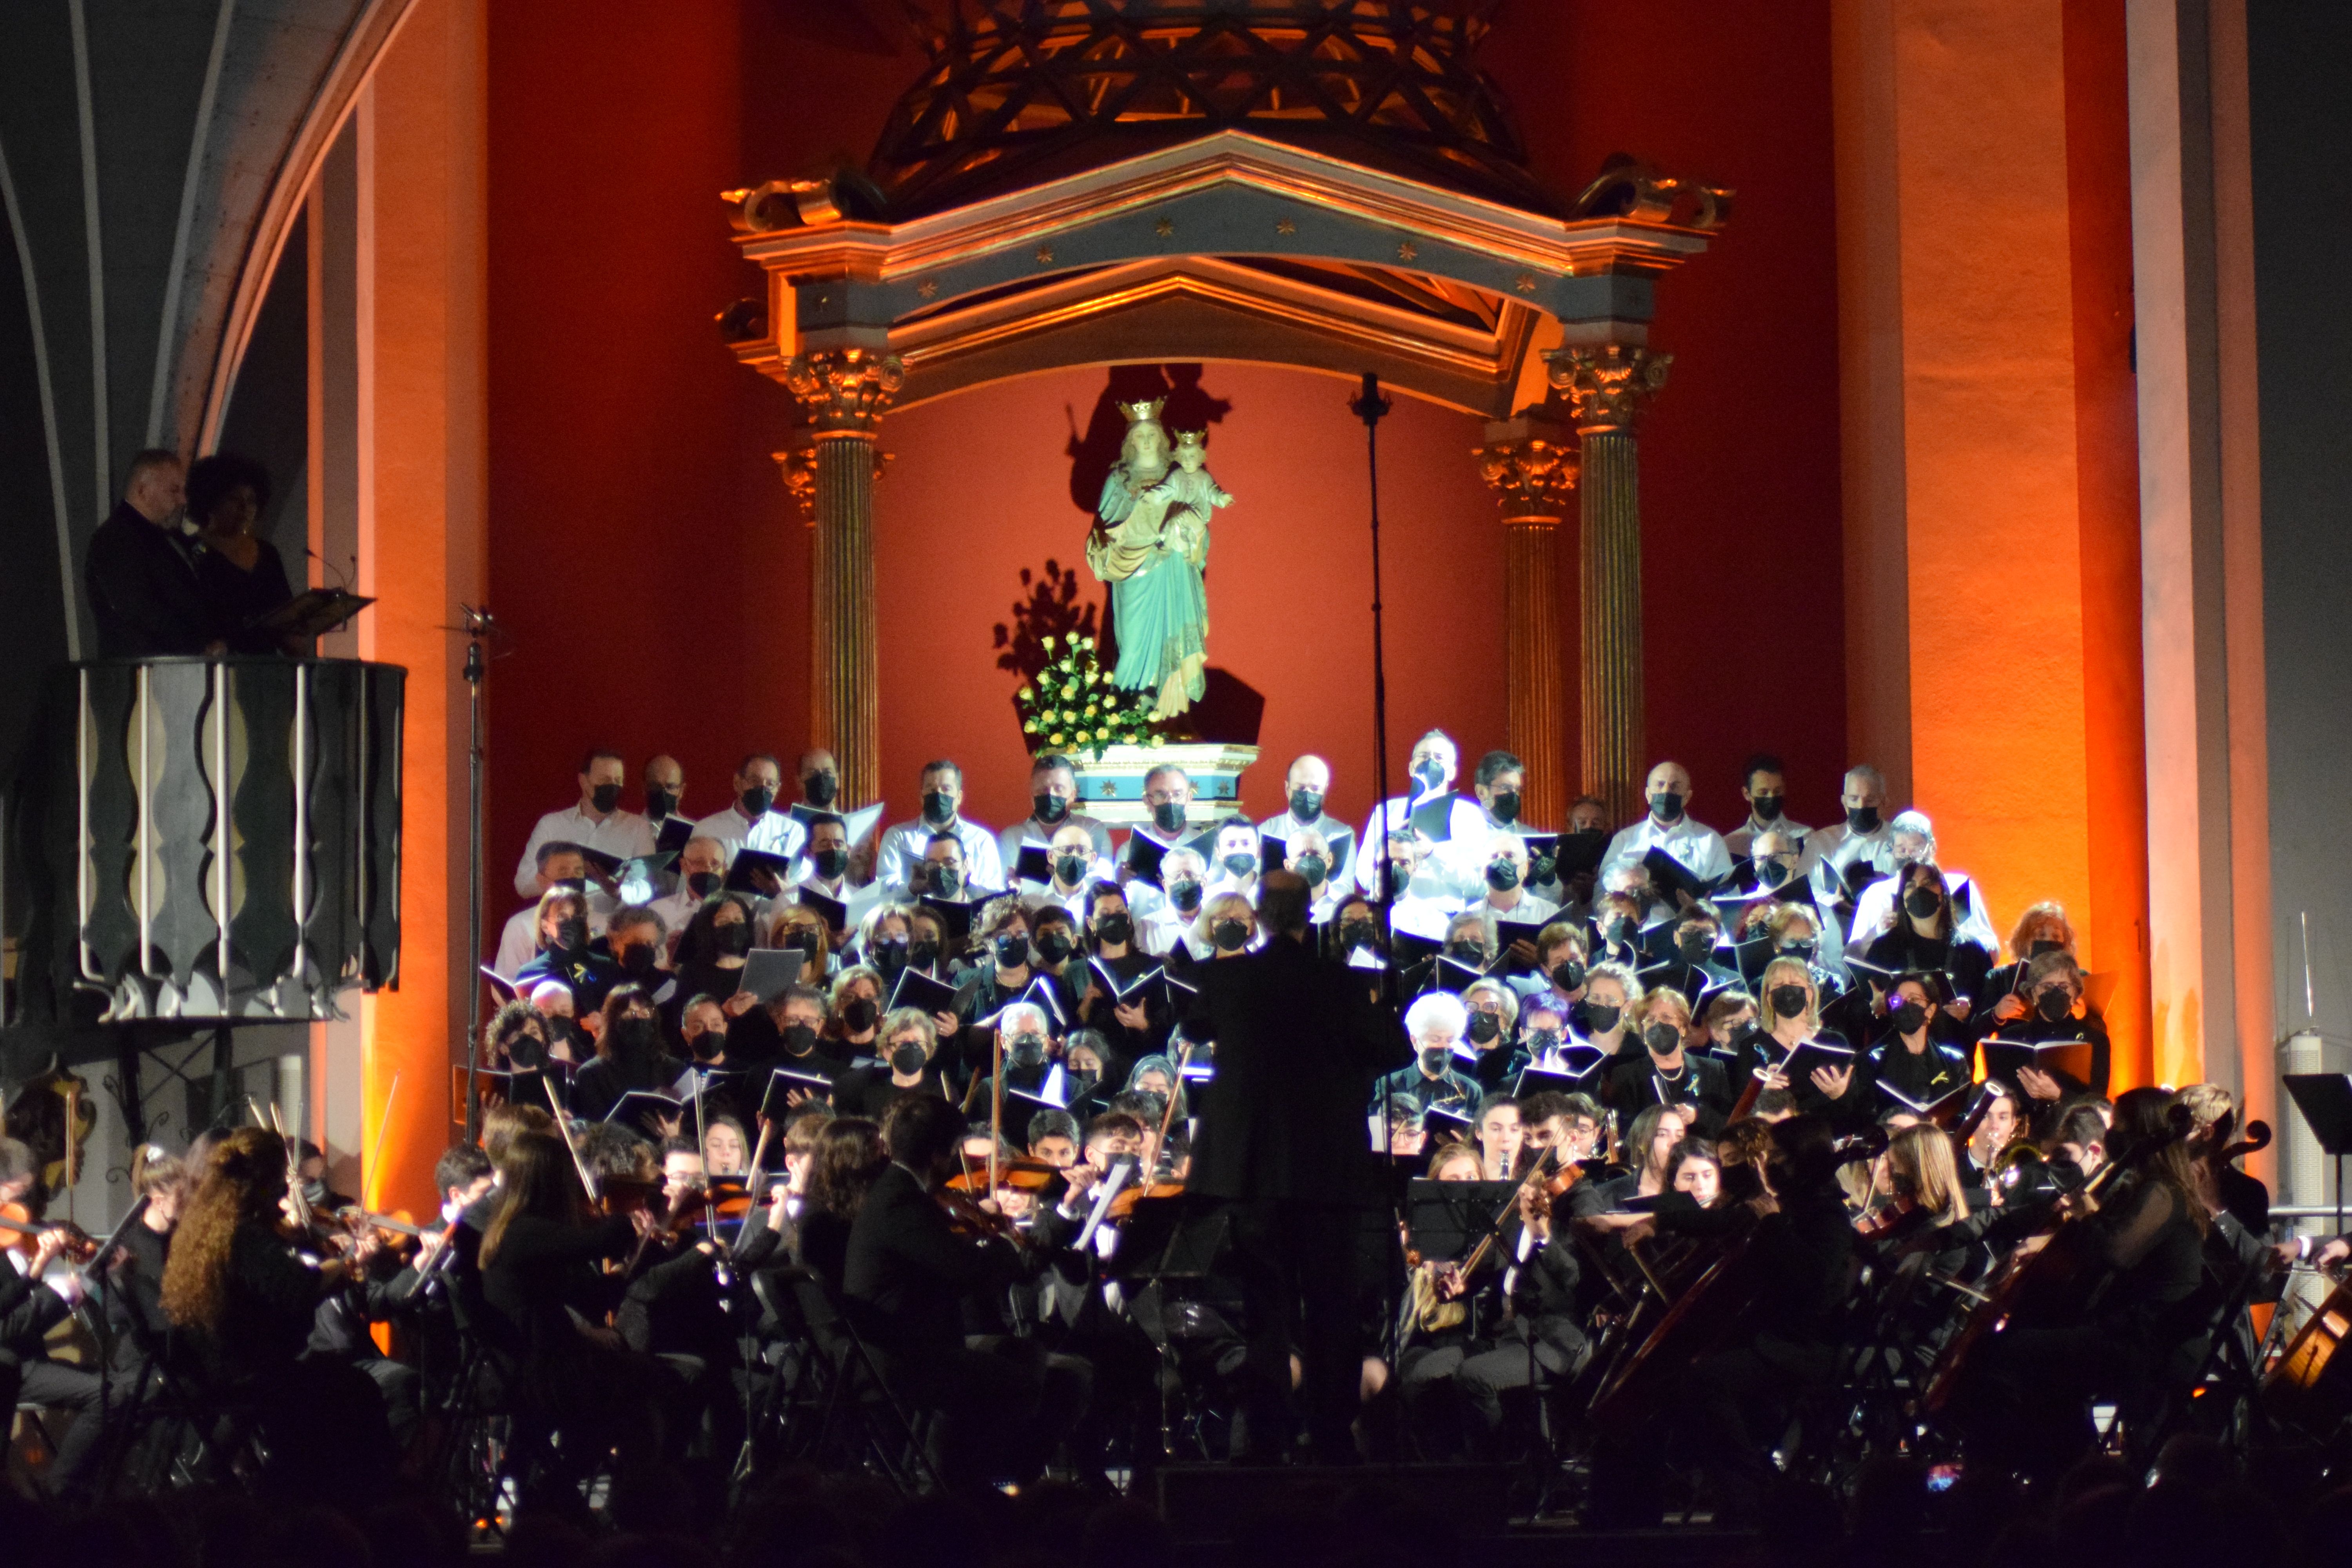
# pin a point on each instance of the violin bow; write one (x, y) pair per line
(293, 1163)
(702, 1141)
(1167, 1115)
(563, 1126)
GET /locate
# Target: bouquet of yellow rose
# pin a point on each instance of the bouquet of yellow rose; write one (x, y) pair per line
(1071, 706)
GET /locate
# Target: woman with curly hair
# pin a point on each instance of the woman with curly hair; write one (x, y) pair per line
(241, 1301)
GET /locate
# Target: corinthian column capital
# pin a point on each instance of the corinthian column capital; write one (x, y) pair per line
(1608, 385)
(844, 391)
(1531, 465)
(798, 466)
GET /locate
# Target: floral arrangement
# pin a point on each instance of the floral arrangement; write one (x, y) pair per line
(1071, 706)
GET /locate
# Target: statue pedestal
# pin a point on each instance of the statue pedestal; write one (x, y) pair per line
(1110, 787)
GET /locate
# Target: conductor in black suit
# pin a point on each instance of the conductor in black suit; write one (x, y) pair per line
(1284, 1147)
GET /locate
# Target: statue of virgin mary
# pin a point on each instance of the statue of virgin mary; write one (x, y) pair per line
(1150, 543)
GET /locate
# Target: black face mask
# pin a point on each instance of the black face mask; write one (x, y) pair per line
(604, 797)
(890, 953)
(1355, 934)
(946, 880)
(2054, 1004)
(1314, 870)
(923, 954)
(1185, 894)
(1026, 1051)
(1771, 873)
(1469, 952)
(707, 1046)
(800, 941)
(1862, 818)
(858, 1015)
(800, 1039)
(1400, 879)
(1597, 1018)
(2039, 948)
(635, 1039)
(732, 941)
(1230, 935)
(571, 933)
(1069, 869)
(1662, 1039)
(1541, 1043)
(756, 800)
(1567, 975)
(1048, 808)
(830, 863)
(1434, 1059)
(702, 884)
(906, 1057)
(1485, 1027)
(818, 789)
(1921, 904)
(1167, 815)
(1305, 804)
(1502, 875)
(1115, 931)
(1053, 946)
(1429, 772)
(1619, 931)
(1909, 1019)
(1012, 951)
(637, 959)
(1766, 807)
(1240, 863)
(1787, 1001)
(937, 809)
(1665, 806)
(1504, 806)
(1695, 945)
(660, 802)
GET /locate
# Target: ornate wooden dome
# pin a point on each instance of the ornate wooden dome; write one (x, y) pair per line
(1020, 92)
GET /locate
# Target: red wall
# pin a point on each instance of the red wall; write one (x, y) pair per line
(1742, 594)
(656, 589)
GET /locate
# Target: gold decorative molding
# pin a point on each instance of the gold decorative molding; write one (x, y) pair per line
(1628, 189)
(1533, 477)
(798, 466)
(844, 391)
(1608, 387)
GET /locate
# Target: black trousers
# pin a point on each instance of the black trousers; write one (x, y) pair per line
(1297, 1265)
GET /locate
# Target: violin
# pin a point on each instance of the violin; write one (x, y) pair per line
(398, 1231)
(966, 1217)
(25, 1233)
(1022, 1175)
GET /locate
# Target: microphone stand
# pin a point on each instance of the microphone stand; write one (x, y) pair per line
(479, 625)
(1372, 408)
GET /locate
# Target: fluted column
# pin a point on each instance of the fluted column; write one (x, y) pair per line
(844, 393)
(1531, 465)
(1608, 388)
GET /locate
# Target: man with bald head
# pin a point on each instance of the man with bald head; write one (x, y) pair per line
(1668, 826)
(1307, 784)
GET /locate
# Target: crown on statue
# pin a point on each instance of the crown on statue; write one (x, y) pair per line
(1142, 413)
(1188, 439)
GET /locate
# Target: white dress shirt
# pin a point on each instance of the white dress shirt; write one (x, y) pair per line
(624, 833)
(1466, 816)
(902, 851)
(1836, 847)
(1697, 846)
(1530, 910)
(776, 832)
(1873, 903)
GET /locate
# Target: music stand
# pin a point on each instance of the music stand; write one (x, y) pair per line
(2326, 1100)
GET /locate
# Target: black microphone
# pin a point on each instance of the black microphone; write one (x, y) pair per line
(346, 584)
(1371, 406)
